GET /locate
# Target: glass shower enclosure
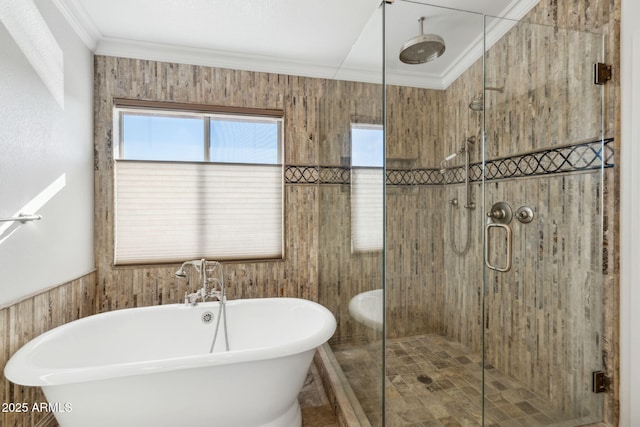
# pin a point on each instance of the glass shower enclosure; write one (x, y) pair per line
(461, 222)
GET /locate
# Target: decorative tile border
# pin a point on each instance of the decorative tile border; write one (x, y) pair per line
(570, 158)
(317, 174)
(301, 174)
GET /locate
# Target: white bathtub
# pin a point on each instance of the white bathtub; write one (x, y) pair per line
(151, 366)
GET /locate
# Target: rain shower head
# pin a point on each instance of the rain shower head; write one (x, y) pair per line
(422, 48)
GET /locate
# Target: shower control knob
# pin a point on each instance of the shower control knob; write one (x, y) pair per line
(524, 214)
(500, 213)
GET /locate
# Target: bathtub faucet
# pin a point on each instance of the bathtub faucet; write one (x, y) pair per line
(210, 273)
(212, 286)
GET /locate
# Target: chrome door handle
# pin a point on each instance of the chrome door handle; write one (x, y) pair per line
(487, 234)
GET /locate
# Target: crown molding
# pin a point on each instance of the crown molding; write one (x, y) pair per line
(210, 57)
(79, 21)
(517, 9)
(86, 29)
(496, 29)
(415, 79)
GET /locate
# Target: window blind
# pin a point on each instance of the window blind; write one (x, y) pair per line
(172, 211)
(367, 215)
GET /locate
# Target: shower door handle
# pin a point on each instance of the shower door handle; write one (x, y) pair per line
(487, 240)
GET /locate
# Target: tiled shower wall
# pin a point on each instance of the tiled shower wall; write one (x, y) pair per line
(552, 315)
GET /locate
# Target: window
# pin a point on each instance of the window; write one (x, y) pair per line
(192, 183)
(367, 187)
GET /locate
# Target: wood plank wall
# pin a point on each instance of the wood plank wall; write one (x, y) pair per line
(25, 320)
(157, 81)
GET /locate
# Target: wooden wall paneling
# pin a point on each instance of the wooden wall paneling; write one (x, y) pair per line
(120, 77)
(28, 318)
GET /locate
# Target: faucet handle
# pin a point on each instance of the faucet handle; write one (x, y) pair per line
(190, 299)
(218, 295)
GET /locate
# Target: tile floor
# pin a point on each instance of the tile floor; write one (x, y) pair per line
(433, 381)
(316, 410)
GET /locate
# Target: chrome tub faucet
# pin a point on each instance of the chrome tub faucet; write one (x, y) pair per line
(211, 281)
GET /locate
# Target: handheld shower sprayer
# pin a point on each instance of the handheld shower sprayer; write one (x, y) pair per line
(199, 265)
(469, 203)
(443, 167)
(463, 149)
(451, 156)
(181, 273)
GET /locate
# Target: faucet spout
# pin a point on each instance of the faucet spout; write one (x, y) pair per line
(210, 273)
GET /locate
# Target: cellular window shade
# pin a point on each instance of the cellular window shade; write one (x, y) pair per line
(367, 194)
(167, 211)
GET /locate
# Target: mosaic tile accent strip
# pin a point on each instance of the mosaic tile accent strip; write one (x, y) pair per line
(317, 175)
(428, 177)
(335, 175)
(301, 174)
(571, 158)
(400, 177)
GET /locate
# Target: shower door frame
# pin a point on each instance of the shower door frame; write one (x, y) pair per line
(486, 203)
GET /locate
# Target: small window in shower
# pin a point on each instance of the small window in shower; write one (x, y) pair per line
(367, 187)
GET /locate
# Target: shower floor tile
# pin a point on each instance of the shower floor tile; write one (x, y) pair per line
(434, 381)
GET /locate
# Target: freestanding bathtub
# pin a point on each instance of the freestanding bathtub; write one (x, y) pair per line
(151, 366)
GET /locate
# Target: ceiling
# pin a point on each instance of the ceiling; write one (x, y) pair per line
(337, 39)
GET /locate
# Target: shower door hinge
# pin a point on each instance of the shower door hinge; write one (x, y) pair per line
(601, 73)
(600, 382)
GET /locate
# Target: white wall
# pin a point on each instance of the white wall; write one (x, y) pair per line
(629, 209)
(45, 142)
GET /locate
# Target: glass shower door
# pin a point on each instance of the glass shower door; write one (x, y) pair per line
(349, 178)
(487, 320)
(544, 159)
(433, 249)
